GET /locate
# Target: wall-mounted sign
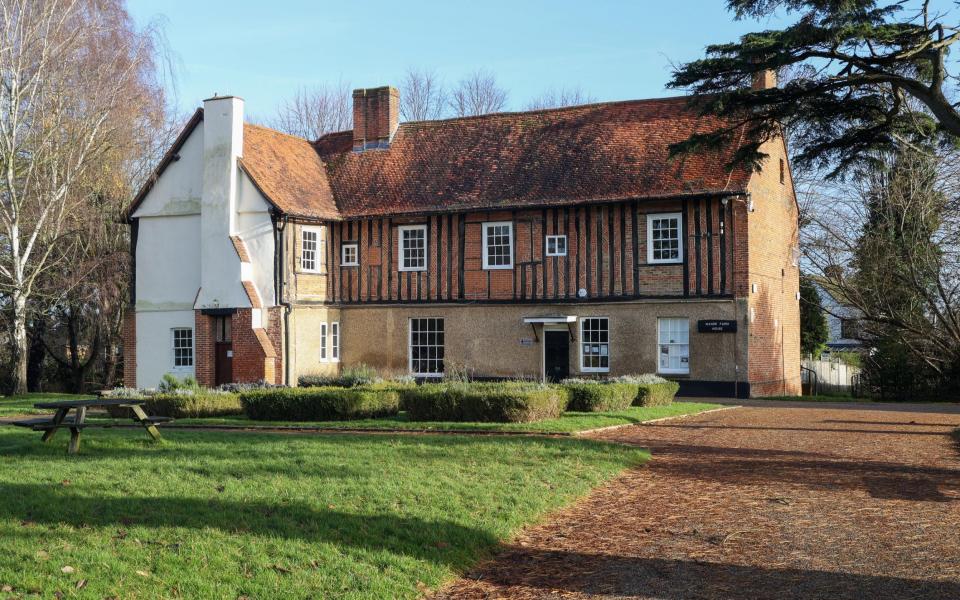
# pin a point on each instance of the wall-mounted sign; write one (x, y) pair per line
(716, 326)
(526, 341)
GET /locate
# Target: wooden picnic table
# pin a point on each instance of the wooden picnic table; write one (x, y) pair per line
(49, 424)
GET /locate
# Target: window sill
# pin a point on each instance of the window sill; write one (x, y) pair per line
(497, 268)
(665, 262)
(420, 270)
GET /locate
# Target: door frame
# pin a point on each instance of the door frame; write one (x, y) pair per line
(544, 328)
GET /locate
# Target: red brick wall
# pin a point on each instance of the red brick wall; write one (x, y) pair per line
(130, 348)
(606, 255)
(774, 311)
(204, 347)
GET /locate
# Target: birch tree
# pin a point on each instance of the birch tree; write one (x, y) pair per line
(70, 72)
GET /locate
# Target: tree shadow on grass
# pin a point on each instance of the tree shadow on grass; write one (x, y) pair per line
(440, 542)
(623, 576)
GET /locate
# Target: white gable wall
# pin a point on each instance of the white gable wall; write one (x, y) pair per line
(183, 243)
(256, 229)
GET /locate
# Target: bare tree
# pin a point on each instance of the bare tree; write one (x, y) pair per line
(313, 112)
(69, 75)
(887, 243)
(558, 97)
(422, 97)
(477, 94)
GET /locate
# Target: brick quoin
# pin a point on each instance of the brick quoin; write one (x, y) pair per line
(130, 348)
(204, 348)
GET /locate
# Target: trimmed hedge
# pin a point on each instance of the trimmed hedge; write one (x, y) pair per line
(656, 394)
(200, 404)
(504, 402)
(599, 396)
(321, 403)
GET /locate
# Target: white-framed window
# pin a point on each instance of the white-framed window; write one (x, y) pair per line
(182, 347)
(673, 345)
(594, 344)
(311, 249)
(498, 245)
(663, 238)
(412, 249)
(426, 347)
(556, 245)
(323, 342)
(349, 255)
(335, 341)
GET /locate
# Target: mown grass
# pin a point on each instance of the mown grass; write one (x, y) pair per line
(224, 515)
(569, 422)
(23, 404)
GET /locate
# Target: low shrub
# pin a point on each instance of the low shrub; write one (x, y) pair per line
(170, 383)
(502, 402)
(321, 403)
(599, 395)
(205, 403)
(656, 394)
(349, 377)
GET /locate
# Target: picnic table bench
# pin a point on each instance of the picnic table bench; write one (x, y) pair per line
(49, 424)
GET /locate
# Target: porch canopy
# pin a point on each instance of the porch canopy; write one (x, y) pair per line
(567, 320)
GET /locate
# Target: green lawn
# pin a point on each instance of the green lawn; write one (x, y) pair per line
(23, 404)
(568, 423)
(224, 515)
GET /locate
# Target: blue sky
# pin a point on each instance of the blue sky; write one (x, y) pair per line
(263, 51)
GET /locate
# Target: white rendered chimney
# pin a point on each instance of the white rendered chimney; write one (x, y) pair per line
(222, 147)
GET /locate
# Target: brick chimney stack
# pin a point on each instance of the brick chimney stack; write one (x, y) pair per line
(763, 80)
(376, 116)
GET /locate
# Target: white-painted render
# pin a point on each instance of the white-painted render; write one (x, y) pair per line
(222, 146)
(185, 258)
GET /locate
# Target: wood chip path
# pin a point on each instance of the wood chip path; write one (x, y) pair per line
(758, 502)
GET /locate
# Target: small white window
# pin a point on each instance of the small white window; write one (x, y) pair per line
(426, 347)
(413, 247)
(349, 255)
(674, 346)
(182, 347)
(594, 344)
(556, 245)
(311, 249)
(663, 238)
(323, 341)
(335, 341)
(498, 245)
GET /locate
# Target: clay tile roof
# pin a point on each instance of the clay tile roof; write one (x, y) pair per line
(597, 152)
(288, 171)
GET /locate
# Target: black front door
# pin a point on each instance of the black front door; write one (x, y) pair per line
(556, 355)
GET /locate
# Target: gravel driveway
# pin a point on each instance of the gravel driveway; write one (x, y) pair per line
(765, 501)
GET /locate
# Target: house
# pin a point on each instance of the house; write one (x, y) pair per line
(843, 323)
(539, 244)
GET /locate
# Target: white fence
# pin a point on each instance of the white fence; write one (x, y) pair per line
(831, 376)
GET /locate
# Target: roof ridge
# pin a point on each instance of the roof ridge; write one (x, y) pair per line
(514, 113)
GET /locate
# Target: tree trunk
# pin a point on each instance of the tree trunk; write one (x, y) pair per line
(37, 353)
(20, 349)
